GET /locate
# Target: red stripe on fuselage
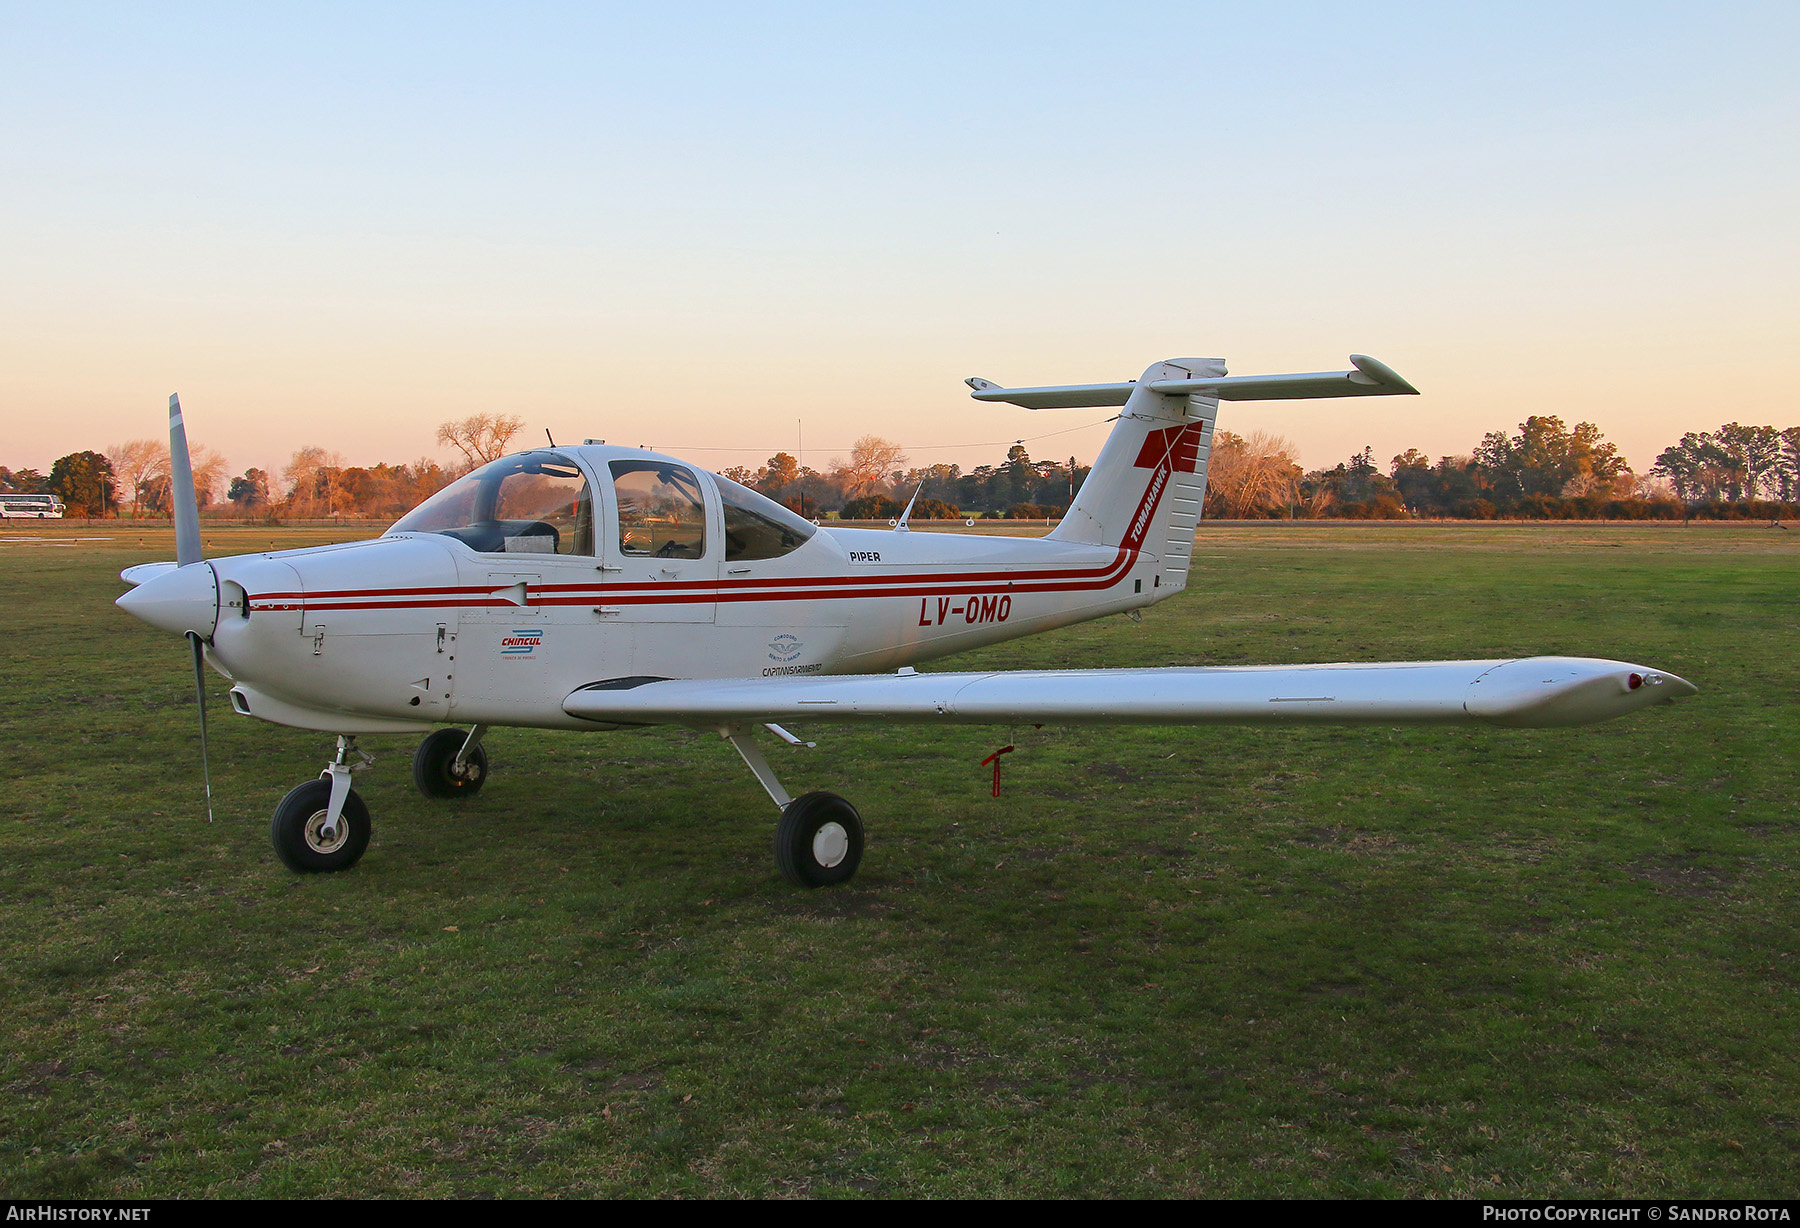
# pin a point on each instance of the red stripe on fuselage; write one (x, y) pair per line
(723, 586)
(823, 588)
(796, 588)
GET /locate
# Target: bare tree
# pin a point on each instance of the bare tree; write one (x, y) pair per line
(481, 437)
(873, 461)
(1252, 474)
(1621, 485)
(312, 478)
(209, 473)
(136, 463)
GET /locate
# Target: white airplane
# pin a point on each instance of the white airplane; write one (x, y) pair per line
(598, 588)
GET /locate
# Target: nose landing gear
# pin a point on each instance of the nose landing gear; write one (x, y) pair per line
(322, 825)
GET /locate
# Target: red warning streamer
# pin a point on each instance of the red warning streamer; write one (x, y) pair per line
(995, 760)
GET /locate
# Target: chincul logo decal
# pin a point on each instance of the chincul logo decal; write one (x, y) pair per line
(521, 643)
(784, 648)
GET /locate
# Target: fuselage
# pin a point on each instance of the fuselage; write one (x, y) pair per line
(583, 564)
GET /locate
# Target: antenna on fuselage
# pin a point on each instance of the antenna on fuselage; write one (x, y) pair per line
(900, 525)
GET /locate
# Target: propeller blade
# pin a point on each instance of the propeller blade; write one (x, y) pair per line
(181, 490)
(200, 698)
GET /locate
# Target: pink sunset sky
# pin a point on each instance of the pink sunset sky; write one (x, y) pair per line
(698, 226)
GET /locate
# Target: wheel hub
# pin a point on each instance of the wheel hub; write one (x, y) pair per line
(830, 844)
(318, 842)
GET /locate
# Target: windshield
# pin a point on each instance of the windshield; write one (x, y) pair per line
(532, 503)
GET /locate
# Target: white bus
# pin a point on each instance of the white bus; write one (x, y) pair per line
(30, 507)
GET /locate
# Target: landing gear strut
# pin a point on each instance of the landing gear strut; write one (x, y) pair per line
(819, 839)
(322, 825)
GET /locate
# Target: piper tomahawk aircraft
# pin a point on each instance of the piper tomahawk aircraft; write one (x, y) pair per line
(598, 588)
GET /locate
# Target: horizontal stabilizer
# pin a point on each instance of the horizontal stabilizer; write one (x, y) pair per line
(1533, 691)
(1368, 378)
(1064, 396)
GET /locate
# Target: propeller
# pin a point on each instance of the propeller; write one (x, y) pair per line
(181, 489)
(200, 699)
(187, 550)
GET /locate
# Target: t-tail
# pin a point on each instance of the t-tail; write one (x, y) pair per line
(1147, 488)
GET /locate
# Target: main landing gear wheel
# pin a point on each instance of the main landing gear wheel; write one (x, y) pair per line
(819, 840)
(434, 766)
(297, 830)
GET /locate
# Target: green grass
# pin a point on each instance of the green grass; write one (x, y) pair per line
(1208, 961)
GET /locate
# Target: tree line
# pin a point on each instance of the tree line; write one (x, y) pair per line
(133, 478)
(875, 484)
(1546, 470)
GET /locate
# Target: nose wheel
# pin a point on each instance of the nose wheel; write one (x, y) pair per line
(309, 840)
(322, 826)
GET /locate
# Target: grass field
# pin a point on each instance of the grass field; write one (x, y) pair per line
(1212, 962)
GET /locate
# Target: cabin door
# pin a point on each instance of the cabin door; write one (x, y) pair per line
(660, 561)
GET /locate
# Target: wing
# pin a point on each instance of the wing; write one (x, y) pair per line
(1531, 691)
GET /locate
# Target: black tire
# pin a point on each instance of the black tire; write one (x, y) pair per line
(819, 840)
(294, 830)
(432, 766)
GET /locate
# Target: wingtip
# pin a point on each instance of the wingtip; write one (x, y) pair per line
(1674, 685)
(1381, 373)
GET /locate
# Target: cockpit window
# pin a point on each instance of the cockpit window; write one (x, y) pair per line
(533, 503)
(661, 510)
(757, 527)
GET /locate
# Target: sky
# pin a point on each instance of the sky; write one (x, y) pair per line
(726, 230)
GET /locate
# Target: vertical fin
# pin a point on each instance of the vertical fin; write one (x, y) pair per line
(1147, 487)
